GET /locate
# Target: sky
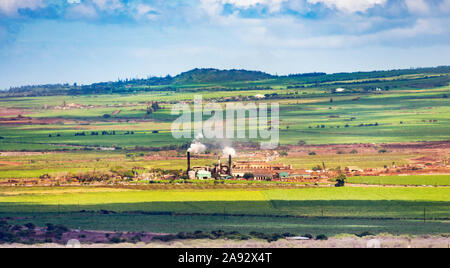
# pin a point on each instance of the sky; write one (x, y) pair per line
(86, 41)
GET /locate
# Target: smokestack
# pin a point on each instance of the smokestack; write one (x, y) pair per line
(188, 162)
(229, 164)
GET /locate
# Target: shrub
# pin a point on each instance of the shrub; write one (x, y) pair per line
(321, 237)
(340, 180)
(364, 234)
(164, 238)
(308, 236)
(7, 237)
(312, 153)
(50, 227)
(136, 238)
(353, 151)
(382, 151)
(116, 240)
(289, 235)
(30, 226)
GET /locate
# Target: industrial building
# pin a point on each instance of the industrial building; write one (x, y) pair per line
(259, 169)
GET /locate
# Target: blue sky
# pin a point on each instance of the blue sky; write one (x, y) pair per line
(85, 41)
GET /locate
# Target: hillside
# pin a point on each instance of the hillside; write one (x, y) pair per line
(219, 76)
(213, 79)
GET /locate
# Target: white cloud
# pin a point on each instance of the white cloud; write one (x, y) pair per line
(214, 7)
(445, 6)
(108, 4)
(146, 11)
(73, 1)
(350, 6)
(10, 7)
(81, 11)
(274, 5)
(417, 6)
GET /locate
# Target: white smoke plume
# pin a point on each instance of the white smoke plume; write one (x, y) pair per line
(197, 147)
(229, 151)
(199, 136)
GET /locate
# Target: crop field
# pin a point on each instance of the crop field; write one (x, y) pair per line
(433, 180)
(91, 133)
(33, 166)
(311, 210)
(375, 160)
(390, 116)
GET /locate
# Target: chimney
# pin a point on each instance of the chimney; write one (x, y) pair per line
(188, 162)
(229, 164)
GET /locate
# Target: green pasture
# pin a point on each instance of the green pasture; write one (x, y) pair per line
(33, 166)
(419, 180)
(393, 116)
(312, 210)
(369, 202)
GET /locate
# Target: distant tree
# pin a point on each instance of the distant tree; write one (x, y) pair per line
(248, 176)
(301, 142)
(340, 180)
(30, 226)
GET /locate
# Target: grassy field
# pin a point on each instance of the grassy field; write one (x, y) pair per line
(434, 180)
(324, 210)
(408, 109)
(400, 115)
(33, 166)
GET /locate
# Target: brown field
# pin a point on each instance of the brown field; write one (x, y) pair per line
(347, 241)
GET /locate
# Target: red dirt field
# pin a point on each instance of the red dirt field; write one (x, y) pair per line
(88, 236)
(12, 112)
(7, 163)
(21, 120)
(382, 241)
(429, 148)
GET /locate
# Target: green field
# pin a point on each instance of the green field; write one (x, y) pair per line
(433, 180)
(399, 115)
(310, 210)
(377, 107)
